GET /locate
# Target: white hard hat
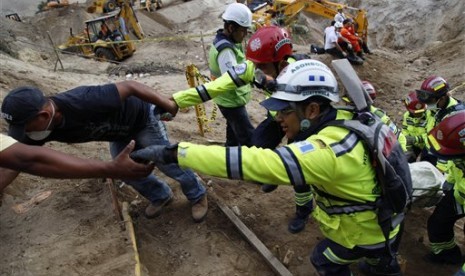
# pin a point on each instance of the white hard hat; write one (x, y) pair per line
(338, 25)
(238, 13)
(301, 80)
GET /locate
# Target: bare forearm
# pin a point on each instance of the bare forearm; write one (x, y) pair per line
(147, 94)
(6, 177)
(50, 163)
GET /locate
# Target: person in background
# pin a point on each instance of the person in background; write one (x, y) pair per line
(354, 40)
(340, 16)
(338, 172)
(447, 142)
(225, 53)
(332, 36)
(414, 125)
(47, 162)
(362, 42)
(115, 112)
(434, 92)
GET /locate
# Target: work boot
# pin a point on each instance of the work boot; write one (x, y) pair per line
(451, 256)
(297, 224)
(267, 188)
(392, 269)
(199, 209)
(154, 209)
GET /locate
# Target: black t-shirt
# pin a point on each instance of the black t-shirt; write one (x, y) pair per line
(96, 113)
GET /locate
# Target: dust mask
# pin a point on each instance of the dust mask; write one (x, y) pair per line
(41, 135)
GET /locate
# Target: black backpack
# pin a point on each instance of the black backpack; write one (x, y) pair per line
(391, 166)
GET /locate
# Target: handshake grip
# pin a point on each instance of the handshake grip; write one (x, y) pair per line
(158, 154)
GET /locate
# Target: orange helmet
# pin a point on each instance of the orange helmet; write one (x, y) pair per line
(432, 88)
(414, 105)
(269, 44)
(370, 89)
(448, 137)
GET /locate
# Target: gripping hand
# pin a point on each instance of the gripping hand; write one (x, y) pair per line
(159, 154)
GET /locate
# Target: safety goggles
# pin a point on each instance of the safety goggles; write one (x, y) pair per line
(427, 97)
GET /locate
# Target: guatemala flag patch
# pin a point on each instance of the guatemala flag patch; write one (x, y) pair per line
(240, 68)
(305, 146)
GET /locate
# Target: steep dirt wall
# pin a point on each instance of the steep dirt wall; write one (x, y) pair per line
(398, 24)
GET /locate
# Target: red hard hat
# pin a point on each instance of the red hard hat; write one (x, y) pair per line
(433, 87)
(269, 44)
(412, 103)
(448, 137)
(370, 89)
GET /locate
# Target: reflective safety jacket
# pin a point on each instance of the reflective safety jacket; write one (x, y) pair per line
(456, 176)
(238, 96)
(239, 75)
(385, 119)
(435, 119)
(415, 127)
(334, 162)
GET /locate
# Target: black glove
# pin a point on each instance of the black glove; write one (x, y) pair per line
(411, 140)
(164, 115)
(264, 81)
(160, 155)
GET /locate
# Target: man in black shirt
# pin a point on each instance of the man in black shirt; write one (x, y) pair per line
(116, 112)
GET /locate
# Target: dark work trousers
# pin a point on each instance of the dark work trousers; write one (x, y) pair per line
(441, 222)
(239, 129)
(330, 258)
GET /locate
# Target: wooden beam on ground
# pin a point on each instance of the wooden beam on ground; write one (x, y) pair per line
(275, 264)
(132, 236)
(115, 202)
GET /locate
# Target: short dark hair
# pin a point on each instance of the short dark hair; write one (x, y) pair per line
(333, 22)
(347, 20)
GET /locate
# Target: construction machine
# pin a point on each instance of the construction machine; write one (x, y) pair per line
(102, 6)
(107, 37)
(285, 12)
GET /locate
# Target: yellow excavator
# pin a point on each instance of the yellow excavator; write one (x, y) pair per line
(285, 12)
(108, 37)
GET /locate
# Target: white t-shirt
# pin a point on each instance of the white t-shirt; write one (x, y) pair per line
(339, 17)
(6, 141)
(331, 37)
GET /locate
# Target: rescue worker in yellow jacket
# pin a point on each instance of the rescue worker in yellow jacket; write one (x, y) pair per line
(226, 52)
(447, 141)
(331, 159)
(269, 50)
(434, 92)
(414, 125)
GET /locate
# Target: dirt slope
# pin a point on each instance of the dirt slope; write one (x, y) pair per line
(74, 232)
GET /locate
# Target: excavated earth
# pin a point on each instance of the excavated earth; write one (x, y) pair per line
(67, 227)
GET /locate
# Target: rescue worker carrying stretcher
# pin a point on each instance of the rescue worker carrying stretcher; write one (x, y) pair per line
(332, 160)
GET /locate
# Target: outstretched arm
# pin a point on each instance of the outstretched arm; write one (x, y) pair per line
(50, 163)
(146, 93)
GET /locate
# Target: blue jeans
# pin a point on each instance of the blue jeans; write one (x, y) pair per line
(152, 187)
(239, 130)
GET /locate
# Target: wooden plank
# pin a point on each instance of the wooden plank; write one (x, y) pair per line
(275, 264)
